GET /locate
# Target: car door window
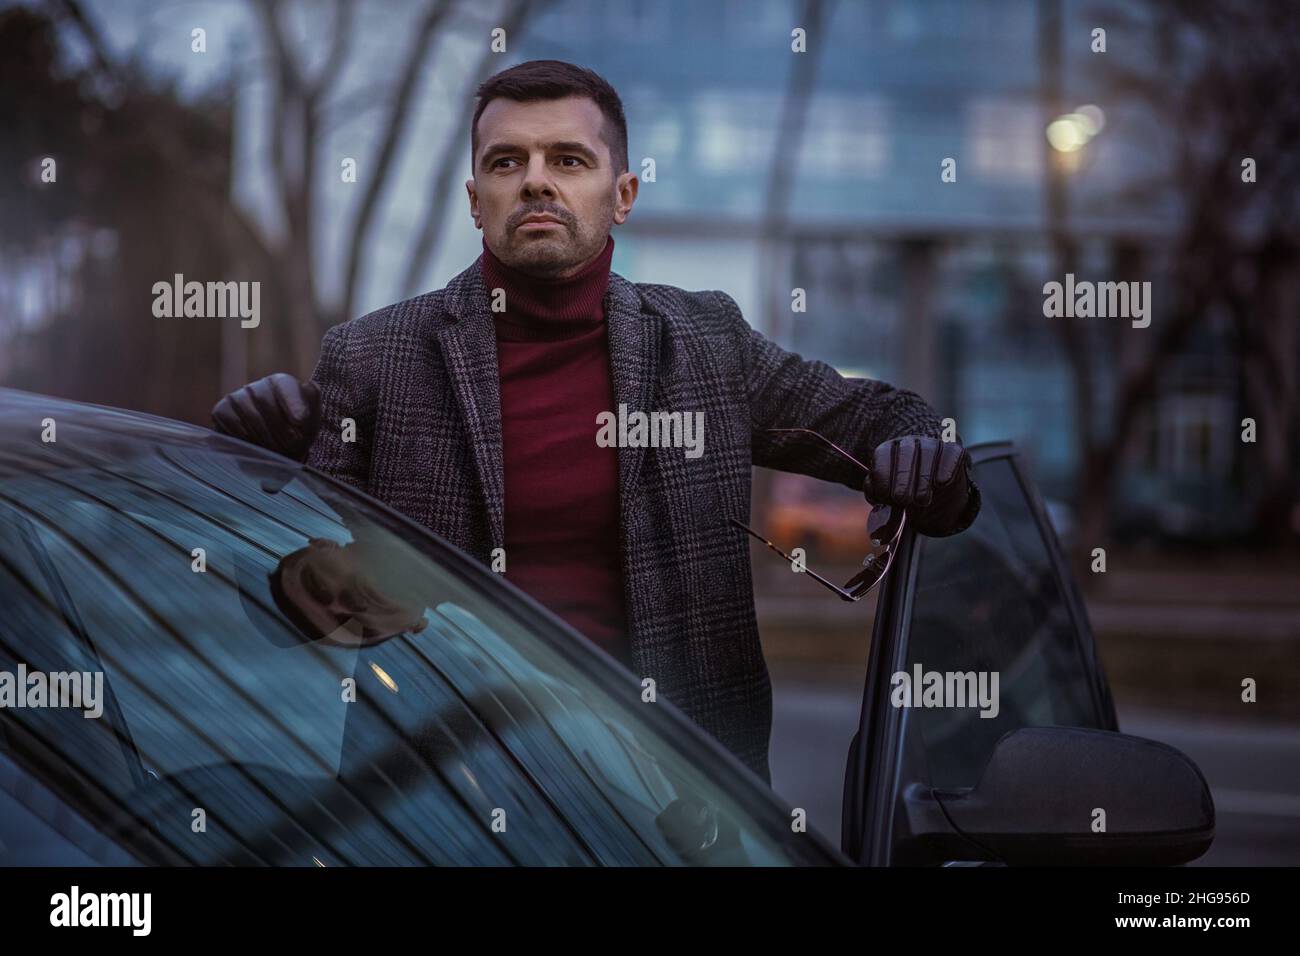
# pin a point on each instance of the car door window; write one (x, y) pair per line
(988, 601)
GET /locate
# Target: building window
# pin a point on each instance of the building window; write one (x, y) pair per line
(843, 137)
(654, 123)
(736, 130)
(1004, 139)
(759, 22)
(1193, 436)
(846, 137)
(572, 20)
(637, 21)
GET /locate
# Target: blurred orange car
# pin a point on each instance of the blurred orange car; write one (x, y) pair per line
(828, 521)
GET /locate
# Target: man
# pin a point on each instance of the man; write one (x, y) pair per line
(476, 413)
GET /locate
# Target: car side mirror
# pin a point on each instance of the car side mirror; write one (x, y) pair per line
(1069, 796)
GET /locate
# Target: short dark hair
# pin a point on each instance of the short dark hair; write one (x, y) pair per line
(553, 80)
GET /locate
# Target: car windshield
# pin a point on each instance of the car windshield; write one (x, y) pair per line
(293, 675)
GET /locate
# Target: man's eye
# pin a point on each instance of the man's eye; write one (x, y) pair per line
(496, 163)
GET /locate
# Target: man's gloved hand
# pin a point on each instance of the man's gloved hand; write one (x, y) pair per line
(277, 412)
(929, 479)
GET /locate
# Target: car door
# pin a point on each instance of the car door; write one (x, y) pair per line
(979, 637)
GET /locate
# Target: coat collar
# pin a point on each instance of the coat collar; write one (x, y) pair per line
(467, 340)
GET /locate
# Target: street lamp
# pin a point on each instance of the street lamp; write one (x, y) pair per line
(1069, 133)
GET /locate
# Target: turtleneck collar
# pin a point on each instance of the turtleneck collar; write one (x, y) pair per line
(546, 309)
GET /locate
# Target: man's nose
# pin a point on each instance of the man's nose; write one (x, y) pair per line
(537, 179)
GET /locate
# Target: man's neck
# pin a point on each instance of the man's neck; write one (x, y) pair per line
(542, 308)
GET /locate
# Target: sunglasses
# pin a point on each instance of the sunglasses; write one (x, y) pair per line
(884, 529)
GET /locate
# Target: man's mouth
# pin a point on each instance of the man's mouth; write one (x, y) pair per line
(540, 223)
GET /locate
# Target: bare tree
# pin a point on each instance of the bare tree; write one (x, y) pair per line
(394, 127)
(294, 125)
(1222, 77)
(297, 123)
(444, 177)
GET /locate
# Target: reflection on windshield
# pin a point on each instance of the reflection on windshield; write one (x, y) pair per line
(330, 593)
(292, 670)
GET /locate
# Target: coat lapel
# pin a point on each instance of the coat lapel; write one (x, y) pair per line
(634, 362)
(469, 349)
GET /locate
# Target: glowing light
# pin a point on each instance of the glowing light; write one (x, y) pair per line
(383, 677)
(1071, 132)
(1067, 133)
(1094, 118)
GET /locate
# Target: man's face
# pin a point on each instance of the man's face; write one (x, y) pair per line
(546, 158)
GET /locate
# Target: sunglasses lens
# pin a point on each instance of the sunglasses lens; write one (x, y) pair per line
(883, 528)
(882, 523)
(863, 581)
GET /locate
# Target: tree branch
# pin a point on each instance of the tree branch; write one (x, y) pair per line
(344, 13)
(395, 126)
(444, 177)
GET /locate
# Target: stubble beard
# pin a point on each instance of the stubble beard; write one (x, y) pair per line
(550, 254)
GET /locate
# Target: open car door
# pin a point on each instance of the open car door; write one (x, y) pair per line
(988, 733)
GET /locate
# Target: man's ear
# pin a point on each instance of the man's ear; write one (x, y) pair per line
(628, 183)
(473, 203)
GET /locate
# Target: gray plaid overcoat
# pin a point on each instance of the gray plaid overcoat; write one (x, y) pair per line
(420, 379)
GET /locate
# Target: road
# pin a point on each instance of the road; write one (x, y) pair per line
(1253, 769)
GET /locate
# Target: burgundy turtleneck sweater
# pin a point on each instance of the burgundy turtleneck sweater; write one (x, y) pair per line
(561, 488)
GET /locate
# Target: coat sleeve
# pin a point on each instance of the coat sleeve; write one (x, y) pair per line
(346, 461)
(786, 390)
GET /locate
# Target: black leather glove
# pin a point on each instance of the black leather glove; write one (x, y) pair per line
(929, 479)
(277, 412)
